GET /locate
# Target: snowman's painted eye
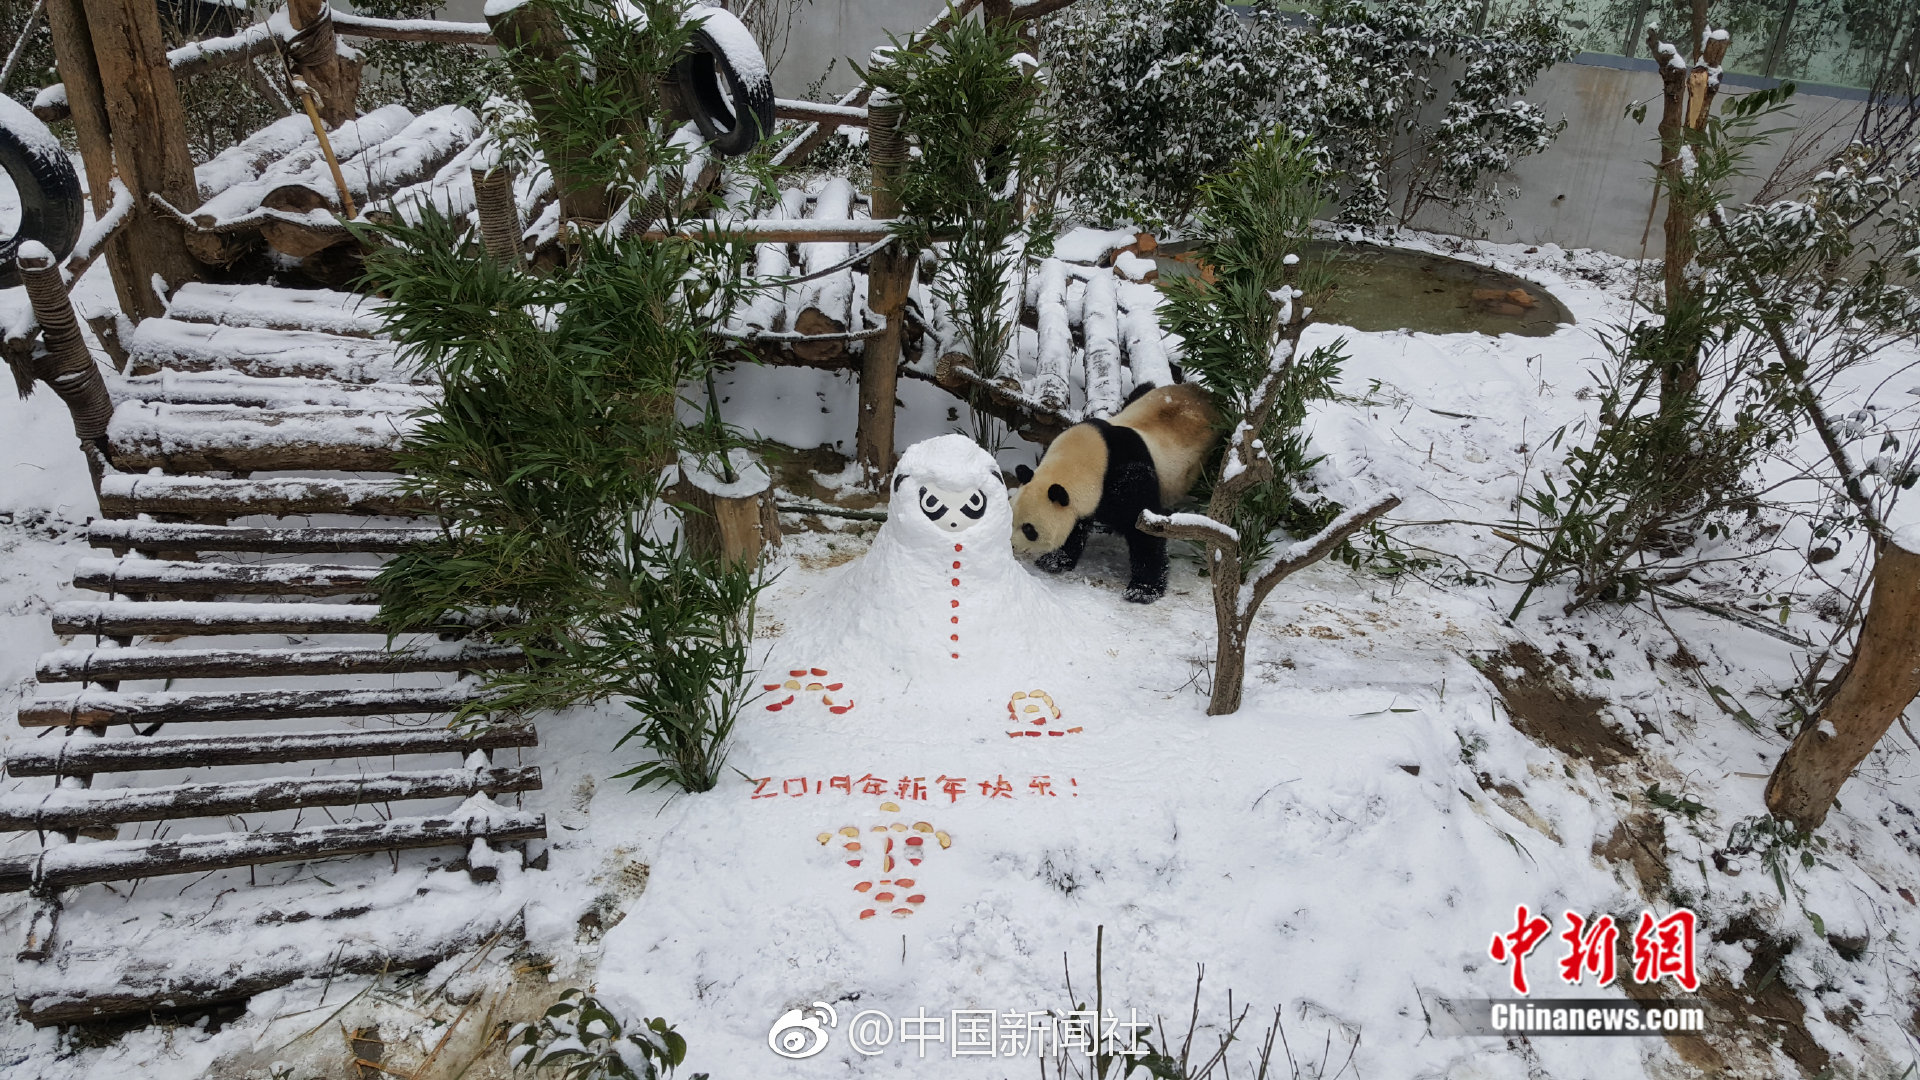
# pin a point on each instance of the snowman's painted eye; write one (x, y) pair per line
(976, 505)
(931, 505)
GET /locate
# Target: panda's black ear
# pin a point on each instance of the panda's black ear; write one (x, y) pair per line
(1023, 474)
(1057, 494)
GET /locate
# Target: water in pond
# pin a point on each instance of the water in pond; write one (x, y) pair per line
(1381, 288)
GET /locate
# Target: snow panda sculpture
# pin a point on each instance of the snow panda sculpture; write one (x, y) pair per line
(940, 588)
(1145, 458)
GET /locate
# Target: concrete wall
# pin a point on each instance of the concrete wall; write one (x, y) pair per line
(1593, 187)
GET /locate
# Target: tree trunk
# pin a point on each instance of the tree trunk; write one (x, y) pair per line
(1229, 633)
(537, 51)
(889, 278)
(1878, 685)
(317, 60)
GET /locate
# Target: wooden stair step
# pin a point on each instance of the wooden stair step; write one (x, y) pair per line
(157, 577)
(272, 308)
(79, 665)
(129, 618)
(97, 708)
(85, 808)
(82, 755)
(125, 494)
(117, 860)
(189, 346)
(204, 438)
(157, 536)
(225, 388)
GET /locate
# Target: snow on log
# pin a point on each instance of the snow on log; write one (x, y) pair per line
(96, 665)
(117, 860)
(824, 306)
(149, 577)
(99, 708)
(86, 756)
(1146, 350)
(244, 161)
(123, 494)
(123, 618)
(1056, 338)
(1099, 325)
(306, 165)
(184, 346)
(159, 536)
(225, 388)
(767, 310)
(210, 438)
(82, 808)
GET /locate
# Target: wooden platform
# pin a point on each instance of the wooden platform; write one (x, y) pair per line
(181, 698)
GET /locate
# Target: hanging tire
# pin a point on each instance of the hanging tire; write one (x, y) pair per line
(51, 210)
(724, 83)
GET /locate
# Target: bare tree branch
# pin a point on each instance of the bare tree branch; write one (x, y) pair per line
(1294, 557)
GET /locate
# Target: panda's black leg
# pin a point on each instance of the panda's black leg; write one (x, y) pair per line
(1147, 579)
(1067, 555)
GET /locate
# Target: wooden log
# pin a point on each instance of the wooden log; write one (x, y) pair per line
(268, 307)
(316, 59)
(120, 618)
(150, 150)
(98, 708)
(782, 231)
(186, 346)
(537, 49)
(824, 306)
(767, 312)
(1874, 688)
(728, 519)
(154, 577)
(81, 864)
(66, 365)
(1056, 337)
(79, 808)
(1099, 326)
(98, 665)
(75, 756)
(889, 281)
(226, 388)
(500, 226)
(817, 112)
(155, 536)
(73, 52)
(437, 31)
(123, 496)
(213, 438)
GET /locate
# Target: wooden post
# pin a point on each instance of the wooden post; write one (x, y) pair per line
(735, 524)
(73, 53)
(149, 137)
(1877, 685)
(500, 227)
(889, 278)
(66, 364)
(536, 45)
(317, 60)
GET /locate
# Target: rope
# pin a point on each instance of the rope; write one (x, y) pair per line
(314, 45)
(858, 256)
(499, 217)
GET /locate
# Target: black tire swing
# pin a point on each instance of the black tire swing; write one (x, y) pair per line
(51, 211)
(724, 84)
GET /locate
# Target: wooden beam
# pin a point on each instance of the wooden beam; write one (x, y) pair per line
(159, 577)
(119, 618)
(66, 808)
(86, 756)
(98, 665)
(81, 864)
(122, 495)
(99, 708)
(781, 231)
(156, 536)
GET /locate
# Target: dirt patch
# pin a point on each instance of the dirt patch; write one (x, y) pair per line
(1764, 1004)
(794, 476)
(1640, 840)
(1550, 712)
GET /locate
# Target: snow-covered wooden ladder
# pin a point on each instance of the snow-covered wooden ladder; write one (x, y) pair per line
(237, 382)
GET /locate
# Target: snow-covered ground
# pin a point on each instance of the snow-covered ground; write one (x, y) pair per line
(1405, 770)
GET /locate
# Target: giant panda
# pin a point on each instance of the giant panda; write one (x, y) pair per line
(1146, 458)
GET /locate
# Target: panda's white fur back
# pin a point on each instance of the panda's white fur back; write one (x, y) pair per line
(1177, 424)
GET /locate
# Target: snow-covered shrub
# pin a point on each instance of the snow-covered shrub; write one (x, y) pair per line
(578, 1038)
(1407, 102)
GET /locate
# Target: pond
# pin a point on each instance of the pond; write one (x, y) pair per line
(1383, 288)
